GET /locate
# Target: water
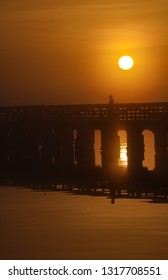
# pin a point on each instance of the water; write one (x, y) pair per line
(58, 225)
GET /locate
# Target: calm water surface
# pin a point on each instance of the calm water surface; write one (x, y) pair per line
(57, 225)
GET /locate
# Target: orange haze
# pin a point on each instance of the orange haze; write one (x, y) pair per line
(64, 52)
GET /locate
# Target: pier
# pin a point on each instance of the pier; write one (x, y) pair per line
(55, 145)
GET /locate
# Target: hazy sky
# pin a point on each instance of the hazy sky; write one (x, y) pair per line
(66, 51)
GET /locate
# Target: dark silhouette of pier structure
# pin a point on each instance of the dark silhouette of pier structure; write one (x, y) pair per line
(55, 145)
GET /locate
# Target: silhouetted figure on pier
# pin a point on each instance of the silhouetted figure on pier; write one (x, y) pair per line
(111, 99)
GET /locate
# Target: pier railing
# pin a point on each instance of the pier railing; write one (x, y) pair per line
(88, 112)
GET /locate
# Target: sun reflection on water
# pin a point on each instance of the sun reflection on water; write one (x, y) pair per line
(123, 161)
(123, 155)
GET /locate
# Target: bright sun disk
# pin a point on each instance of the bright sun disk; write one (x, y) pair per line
(126, 62)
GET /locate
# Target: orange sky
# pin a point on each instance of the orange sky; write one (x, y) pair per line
(65, 52)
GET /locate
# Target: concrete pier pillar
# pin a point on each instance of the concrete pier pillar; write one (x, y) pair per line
(4, 151)
(110, 149)
(161, 151)
(84, 148)
(47, 146)
(67, 148)
(12, 155)
(57, 152)
(18, 152)
(31, 158)
(135, 150)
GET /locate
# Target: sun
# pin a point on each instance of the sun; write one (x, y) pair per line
(126, 62)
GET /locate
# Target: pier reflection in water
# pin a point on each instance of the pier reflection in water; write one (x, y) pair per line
(39, 224)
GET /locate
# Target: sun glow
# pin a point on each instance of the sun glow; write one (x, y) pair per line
(123, 156)
(126, 62)
(123, 160)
